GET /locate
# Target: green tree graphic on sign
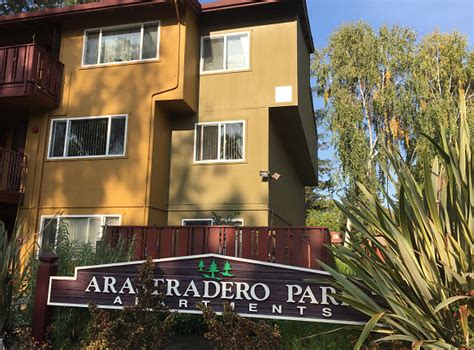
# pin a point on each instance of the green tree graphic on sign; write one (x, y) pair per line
(227, 268)
(201, 266)
(213, 269)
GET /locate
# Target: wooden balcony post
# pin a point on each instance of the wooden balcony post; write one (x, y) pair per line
(41, 318)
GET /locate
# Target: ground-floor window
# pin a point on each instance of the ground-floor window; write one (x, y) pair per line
(84, 229)
(210, 222)
(197, 222)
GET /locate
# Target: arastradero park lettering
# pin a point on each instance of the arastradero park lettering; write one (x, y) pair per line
(252, 288)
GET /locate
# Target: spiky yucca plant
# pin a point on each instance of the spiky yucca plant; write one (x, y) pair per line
(413, 263)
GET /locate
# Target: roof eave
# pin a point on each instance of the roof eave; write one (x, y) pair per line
(86, 8)
(231, 4)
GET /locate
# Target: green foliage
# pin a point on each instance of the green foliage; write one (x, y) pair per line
(384, 88)
(25, 341)
(327, 215)
(423, 274)
(233, 332)
(11, 275)
(323, 336)
(189, 324)
(224, 220)
(320, 208)
(146, 325)
(21, 307)
(17, 6)
(68, 324)
(315, 336)
(72, 253)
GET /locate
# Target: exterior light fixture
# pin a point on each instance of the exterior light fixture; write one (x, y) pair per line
(266, 175)
(276, 176)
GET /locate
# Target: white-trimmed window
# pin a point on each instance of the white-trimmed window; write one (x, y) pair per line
(134, 42)
(84, 229)
(226, 52)
(219, 141)
(88, 137)
(209, 222)
(197, 222)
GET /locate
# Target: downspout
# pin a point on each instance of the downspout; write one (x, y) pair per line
(41, 159)
(45, 155)
(152, 114)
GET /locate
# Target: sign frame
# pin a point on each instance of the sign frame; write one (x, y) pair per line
(315, 272)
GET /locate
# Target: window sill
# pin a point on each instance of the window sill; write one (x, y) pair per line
(219, 72)
(220, 162)
(116, 64)
(73, 159)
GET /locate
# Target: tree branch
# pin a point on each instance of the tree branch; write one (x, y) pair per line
(366, 111)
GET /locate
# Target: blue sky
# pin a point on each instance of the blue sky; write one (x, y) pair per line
(421, 15)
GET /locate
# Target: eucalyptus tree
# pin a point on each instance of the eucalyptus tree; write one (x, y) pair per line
(383, 88)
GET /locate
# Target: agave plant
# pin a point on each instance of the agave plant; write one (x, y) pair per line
(413, 261)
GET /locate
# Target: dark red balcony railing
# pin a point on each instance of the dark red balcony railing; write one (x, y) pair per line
(298, 246)
(29, 71)
(12, 170)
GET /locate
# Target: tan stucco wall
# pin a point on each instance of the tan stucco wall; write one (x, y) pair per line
(157, 181)
(221, 187)
(159, 167)
(110, 185)
(272, 63)
(198, 189)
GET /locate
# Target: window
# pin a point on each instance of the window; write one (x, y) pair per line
(88, 137)
(223, 141)
(210, 222)
(84, 229)
(197, 222)
(138, 42)
(226, 52)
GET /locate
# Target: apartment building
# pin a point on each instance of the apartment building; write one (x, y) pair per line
(158, 112)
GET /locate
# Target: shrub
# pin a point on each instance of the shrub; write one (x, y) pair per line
(12, 276)
(69, 327)
(69, 324)
(146, 325)
(233, 332)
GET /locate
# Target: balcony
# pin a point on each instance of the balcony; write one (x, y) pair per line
(297, 246)
(29, 75)
(12, 171)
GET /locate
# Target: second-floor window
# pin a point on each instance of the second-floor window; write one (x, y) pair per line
(137, 42)
(226, 52)
(221, 141)
(88, 137)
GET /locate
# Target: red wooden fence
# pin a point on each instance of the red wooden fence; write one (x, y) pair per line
(298, 246)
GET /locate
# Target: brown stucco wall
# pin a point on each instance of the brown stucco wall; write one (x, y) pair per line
(286, 193)
(305, 97)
